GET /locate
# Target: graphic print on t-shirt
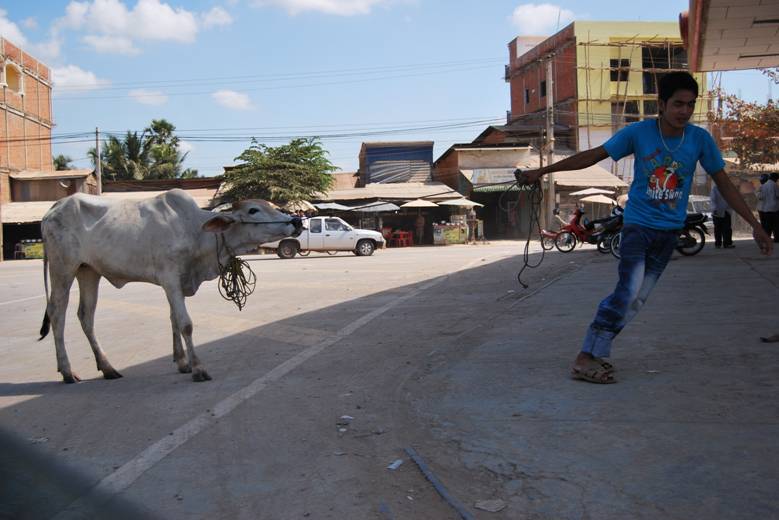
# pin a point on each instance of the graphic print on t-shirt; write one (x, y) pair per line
(665, 184)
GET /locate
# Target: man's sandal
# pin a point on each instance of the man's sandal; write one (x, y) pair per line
(593, 372)
(608, 367)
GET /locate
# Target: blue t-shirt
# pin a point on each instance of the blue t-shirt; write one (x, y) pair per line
(662, 179)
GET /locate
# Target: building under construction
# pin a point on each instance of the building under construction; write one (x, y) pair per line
(604, 76)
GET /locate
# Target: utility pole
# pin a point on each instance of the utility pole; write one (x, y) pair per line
(550, 138)
(98, 165)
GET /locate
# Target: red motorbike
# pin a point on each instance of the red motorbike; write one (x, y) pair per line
(579, 229)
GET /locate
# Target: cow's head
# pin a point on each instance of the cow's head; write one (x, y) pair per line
(255, 221)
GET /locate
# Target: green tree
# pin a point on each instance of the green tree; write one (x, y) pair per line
(164, 149)
(62, 162)
(154, 154)
(750, 130)
(291, 172)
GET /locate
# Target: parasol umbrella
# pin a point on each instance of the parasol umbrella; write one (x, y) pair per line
(419, 203)
(460, 202)
(591, 191)
(600, 199)
(299, 205)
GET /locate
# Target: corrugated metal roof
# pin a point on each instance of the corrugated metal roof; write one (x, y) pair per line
(594, 176)
(29, 175)
(29, 212)
(395, 191)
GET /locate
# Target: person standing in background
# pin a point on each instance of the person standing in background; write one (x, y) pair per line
(769, 197)
(723, 225)
(419, 224)
(760, 205)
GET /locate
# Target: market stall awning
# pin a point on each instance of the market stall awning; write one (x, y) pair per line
(376, 207)
(29, 212)
(434, 191)
(332, 206)
(501, 179)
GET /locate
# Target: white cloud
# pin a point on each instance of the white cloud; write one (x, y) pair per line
(540, 19)
(216, 16)
(232, 99)
(148, 97)
(30, 23)
(47, 50)
(111, 44)
(72, 78)
(112, 27)
(337, 7)
(10, 30)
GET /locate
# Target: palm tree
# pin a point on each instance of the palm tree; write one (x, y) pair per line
(62, 162)
(154, 154)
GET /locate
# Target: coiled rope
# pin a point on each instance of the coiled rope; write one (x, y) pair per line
(236, 278)
(536, 196)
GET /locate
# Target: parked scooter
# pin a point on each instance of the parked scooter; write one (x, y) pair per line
(693, 236)
(580, 230)
(689, 241)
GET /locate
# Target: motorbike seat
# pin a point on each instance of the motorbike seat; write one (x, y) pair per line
(695, 218)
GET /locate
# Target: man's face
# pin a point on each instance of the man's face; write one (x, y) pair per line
(679, 108)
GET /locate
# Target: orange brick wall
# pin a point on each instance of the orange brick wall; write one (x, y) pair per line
(447, 170)
(25, 118)
(529, 70)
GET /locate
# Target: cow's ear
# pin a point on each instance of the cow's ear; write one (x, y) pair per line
(218, 223)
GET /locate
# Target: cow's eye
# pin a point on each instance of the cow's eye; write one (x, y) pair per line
(253, 211)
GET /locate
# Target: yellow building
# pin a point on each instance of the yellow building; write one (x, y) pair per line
(604, 76)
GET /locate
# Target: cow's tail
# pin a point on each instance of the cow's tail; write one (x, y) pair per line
(45, 324)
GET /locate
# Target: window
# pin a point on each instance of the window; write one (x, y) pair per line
(13, 78)
(667, 57)
(620, 69)
(527, 95)
(650, 108)
(623, 113)
(543, 88)
(315, 226)
(333, 224)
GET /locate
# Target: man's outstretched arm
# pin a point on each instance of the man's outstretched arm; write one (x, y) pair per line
(736, 201)
(574, 162)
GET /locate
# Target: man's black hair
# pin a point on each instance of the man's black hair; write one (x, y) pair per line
(674, 81)
(774, 176)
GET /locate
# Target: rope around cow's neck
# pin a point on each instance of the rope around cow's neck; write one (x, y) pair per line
(236, 278)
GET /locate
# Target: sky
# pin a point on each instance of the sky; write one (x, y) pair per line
(348, 71)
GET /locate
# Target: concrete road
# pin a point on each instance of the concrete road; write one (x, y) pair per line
(322, 337)
(340, 363)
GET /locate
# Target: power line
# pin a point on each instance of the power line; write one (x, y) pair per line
(259, 78)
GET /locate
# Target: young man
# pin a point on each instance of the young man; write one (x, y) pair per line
(665, 153)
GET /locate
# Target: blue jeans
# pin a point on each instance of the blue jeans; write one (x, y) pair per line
(644, 254)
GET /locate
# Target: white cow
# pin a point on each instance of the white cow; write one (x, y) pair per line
(166, 240)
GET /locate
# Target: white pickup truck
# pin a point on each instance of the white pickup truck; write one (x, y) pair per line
(327, 234)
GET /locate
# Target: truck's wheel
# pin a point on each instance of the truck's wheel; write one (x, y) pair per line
(364, 248)
(287, 249)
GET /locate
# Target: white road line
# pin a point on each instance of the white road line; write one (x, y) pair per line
(124, 477)
(41, 296)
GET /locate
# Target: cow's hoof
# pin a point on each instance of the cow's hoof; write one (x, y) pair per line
(186, 369)
(200, 376)
(70, 378)
(111, 374)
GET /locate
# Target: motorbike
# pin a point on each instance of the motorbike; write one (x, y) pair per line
(689, 241)
(580, 230)
(692, 237)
